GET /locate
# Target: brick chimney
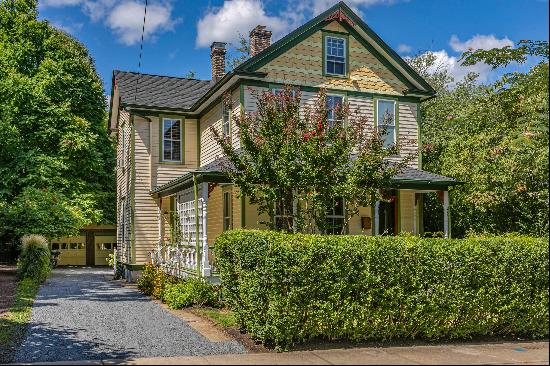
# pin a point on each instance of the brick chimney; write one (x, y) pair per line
(260, 39)
(217, 58)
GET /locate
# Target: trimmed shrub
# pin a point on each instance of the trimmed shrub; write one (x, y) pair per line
(287, 288)
(153, 281)
(34, 260)
(146, 282)
(190, 292)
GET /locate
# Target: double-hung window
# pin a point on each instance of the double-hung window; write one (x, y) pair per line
(226, 120)
(171, 140)
(284, 208)
(386, 120)
(334, 102)
(226, 211)
(335, 218)
(335, 56)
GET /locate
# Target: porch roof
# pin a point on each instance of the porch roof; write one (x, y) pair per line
(408, 178)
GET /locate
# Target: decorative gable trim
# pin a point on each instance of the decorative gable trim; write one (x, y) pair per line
(340, 16)
(343, 14)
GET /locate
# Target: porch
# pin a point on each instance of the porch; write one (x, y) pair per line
(197, 207)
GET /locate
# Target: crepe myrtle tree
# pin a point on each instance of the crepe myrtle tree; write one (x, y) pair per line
(296, 162)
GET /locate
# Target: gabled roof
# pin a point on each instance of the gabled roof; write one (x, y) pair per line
(355, 25)
(168, 92)
(181, 94)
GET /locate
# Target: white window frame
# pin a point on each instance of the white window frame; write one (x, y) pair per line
(284, 215)
(394, 125)
(326, 60)
(226, 121)
(333, 121)
(226, 216)
(333, 216)
(164, 119)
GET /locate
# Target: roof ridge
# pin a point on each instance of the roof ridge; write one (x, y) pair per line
(162, 76)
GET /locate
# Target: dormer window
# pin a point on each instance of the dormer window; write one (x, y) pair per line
(335, 55)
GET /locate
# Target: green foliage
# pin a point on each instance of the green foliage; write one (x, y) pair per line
(291, 154)
(287, 288)
(495, 139)
(146, 282)
(153, 281)
(240, 53)
(54, 144)
(190, 292)
(13, 325)
(34, 260)
(223, 317)
(41, 211)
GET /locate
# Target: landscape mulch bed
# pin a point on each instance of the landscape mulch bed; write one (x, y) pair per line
(8, 286)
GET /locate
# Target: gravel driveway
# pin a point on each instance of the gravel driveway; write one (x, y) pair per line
(80, 315)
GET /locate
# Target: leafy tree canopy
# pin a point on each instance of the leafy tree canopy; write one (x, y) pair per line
(295, 163)
(494, 138)
(56, 159)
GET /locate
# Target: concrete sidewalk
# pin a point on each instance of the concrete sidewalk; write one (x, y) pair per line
(530, 353)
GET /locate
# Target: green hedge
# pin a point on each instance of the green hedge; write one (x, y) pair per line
(288, 288)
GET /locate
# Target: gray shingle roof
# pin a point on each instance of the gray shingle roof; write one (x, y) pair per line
(159, 91)
(421, 175)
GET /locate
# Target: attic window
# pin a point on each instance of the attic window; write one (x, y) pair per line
(335, 56)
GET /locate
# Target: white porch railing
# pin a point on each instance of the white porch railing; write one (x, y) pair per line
(181, 258)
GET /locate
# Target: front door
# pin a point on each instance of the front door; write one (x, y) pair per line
(90, 253)
(388, 217)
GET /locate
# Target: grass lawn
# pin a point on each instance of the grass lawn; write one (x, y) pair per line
(13, 324)
(221, 317)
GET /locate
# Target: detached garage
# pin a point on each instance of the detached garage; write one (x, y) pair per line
(91, 248)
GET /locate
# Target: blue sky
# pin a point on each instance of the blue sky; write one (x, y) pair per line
(179, 32)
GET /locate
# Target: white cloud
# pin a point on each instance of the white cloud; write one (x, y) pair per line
(456, 70)
(125, 18)
(58, 3)
(404, 48)
(479, 41)
(223, 24)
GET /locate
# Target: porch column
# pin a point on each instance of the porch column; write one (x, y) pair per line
(446, 214)
(377, 218)
(206, 269)
(198, 254)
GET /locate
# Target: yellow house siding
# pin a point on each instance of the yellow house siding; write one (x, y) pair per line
(406, 203)
(215, 215)
(303, 65)
(408, 130)
(252, 217)
(210, 149)
(355, 226)
(162, 173)
(146, 210)
(123, 177)
(149, 173)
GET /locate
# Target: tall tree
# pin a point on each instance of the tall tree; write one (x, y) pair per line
(296, 163)
(56, 159)
(494, 138)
